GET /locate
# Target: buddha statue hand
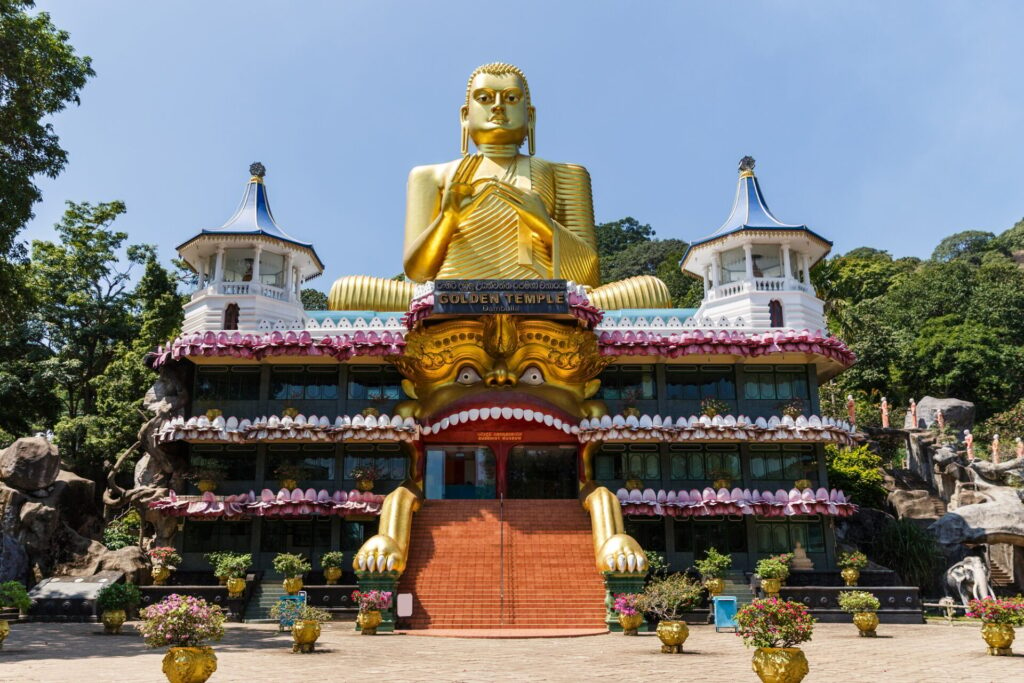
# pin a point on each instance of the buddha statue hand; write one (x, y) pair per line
(388, 551)
(621, 553)
(614, 550)
(380, 553)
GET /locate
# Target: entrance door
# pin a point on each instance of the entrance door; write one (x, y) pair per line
(542, 472)
(455, 472)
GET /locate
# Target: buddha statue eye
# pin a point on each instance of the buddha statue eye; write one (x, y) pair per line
(468, 375)
(484, 98)
(532, 376)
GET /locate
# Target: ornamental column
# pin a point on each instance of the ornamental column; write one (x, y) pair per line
(289, 276)
(716, 267)
(706, 275)
(806, 260)
(218, 271)
(786, 270)
(256, 268)
(748, 252)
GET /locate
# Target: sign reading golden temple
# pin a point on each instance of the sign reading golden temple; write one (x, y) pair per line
(515, 297)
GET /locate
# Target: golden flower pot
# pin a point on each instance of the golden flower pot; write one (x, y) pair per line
(999, 638)
(293, 585)
(305, 633)
(672, 635)
(634, 484)
(236, 588)
(780, 664)
(160, 574)
(5, 630)
(112, 620)
(850, 576)
(801, 484)
(206, 485)
(866, 623)
(332, 574)
(189, 664)
(771, 587)
(715, 586)
(290, 484)
(721, 484)
(364, 485)
(630, 623)
(368, 622)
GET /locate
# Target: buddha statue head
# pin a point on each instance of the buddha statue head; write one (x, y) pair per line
(497, 111)
(501, 360)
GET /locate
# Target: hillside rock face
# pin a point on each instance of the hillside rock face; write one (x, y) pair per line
(956, 413)
(29, 464)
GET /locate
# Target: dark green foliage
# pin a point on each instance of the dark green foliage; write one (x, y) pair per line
(122, 531)
(911, 551)
(313, 300)
(962, 244)
(118, 596)
(13, 594)
(627, 248)
(857, 471)
(615, 236)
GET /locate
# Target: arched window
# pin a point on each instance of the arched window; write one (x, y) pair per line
(775, 313)
(231, 317)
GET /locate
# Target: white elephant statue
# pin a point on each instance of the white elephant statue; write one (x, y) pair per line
(969, 579)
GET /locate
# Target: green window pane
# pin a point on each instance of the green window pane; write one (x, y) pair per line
(731, 465)
(766, 386)
(604, 467)
(652, 470)
(678, 465)
(815, 537)
(758, 469)
(697, 468)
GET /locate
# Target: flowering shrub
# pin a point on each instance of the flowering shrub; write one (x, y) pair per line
(714, 406)
(998, 610)
(855, 560)
(784, 558)
(165, 556)
(670, 597)
(290, 611)
(181, 621)
(771, 568)
(626, 603)
(714, 565)
(371, 601)
(858, 601)
(117, 596)
(774, 623)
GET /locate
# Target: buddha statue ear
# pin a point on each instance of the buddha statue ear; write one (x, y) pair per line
(531, 134)
(464, 116)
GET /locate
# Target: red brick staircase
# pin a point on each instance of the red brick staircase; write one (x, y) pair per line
(456, 576)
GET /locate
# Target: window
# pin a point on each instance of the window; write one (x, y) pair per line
(314, 382)
(388, 458)
(227, 383)
(780, 536)
(622, 461)
(231, 317)
(315, 462)
(238, 265)
(628, 382)
(209, 536)
(305, 536)
(239, 461)
(374, 383)
(696, 382)
(705, 463)
(649, 533)
(775, 382)
(271, 269)
(783, 463)
(697, 535)
(775, 313)
(354, 534)
(767, 260)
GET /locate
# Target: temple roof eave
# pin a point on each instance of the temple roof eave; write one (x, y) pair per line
(744, 234)
(315, 269)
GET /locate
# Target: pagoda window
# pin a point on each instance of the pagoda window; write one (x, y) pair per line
(697, 382)
(388, 459)
(202, 536)
(775, 318)
(734, 265)
(231, 314)
(354, 534)
(783, 463)
(693, 462)
(781, 535)
(374, 383)
(767, 260)
(628, 383)
(697, 535)
(649, 533)
(315, 462)
(272, 269)
(771, 382)
(625, 461)
(314, 382)
(239, 462)
(308, 536)
(227, 383)
(238, 265)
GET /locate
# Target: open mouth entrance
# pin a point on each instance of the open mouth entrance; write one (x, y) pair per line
(524, 471)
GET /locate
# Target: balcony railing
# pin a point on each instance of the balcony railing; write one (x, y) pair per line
(242, 289)
(759, 284)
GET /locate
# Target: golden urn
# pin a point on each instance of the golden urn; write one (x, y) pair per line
(364, 485)
(771, 587)
(189, 664)
(672, 635)
(368, 622)
(866, 622)
(801, 484)
(722, 483)
(634, 484)
(236, 588)
(292, 585)
(112, 620)
(305, 633)
(715, 585)
(630, 623)
(5, 630)
(206, 485)
(850, 576)
(160, 574)
(332, 574)
(999, 638)
(780, 664)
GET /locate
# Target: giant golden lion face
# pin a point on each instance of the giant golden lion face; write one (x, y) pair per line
(501, 360)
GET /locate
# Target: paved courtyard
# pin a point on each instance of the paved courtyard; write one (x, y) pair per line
(251, 652)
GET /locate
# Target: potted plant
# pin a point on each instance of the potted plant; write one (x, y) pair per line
(207, 473)
(630, 618)
(13, 596)
(234, 567)
(786, 559)
(214, 559)
(862, 605)
(305, 621)
(183, 623)
(289, 474)
(801, 484)
(332, 562)
(851, 564)
(634, 482)
(775, 627)
(713, 406)
(712, 569)
(793, 408)
(772, 572)
(365, 475)
(998, 617)
(669, 599)
(721, 479)
(114, 600)
(165, 560)
(370, 604)
(292, 567)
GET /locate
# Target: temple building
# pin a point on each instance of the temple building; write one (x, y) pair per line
(541, 429)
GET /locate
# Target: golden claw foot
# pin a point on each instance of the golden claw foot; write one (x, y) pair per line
(621, 553)
(380, 553)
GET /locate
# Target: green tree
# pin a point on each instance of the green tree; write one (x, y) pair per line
(615, 236)
(858, 472)
(313, 300)
(961, 244)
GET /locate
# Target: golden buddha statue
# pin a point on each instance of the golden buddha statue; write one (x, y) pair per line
(498, 214)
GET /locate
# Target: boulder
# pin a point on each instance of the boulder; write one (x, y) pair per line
(957, 414)
(917, 504)
(30, 464)
(981, 513)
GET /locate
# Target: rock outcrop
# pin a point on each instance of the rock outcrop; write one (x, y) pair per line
(956, 414)
(29, 464)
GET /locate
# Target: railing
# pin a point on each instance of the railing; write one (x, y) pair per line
(759, 284)
(243, 289)
(501, 559)
(235, 288)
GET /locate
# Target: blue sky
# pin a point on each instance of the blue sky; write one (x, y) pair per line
(875, 123)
